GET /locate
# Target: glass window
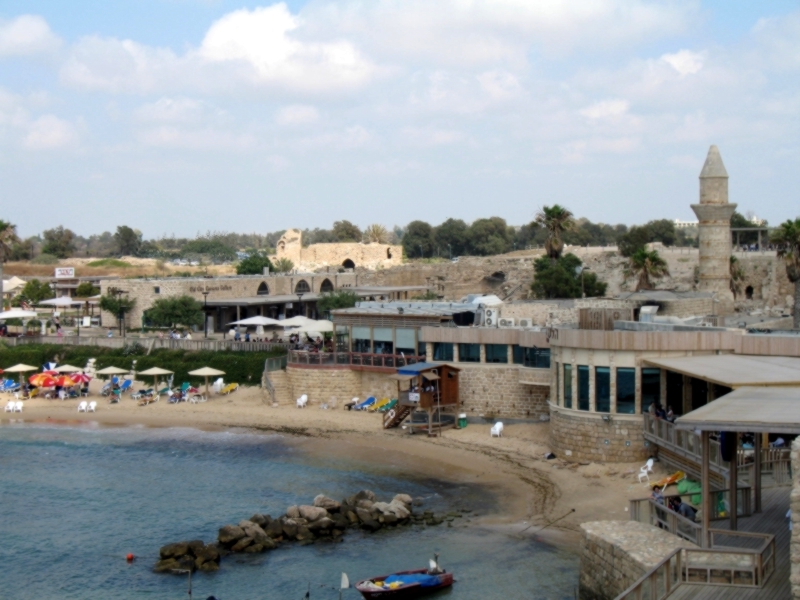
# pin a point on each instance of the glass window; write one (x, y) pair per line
(422, 349)
(405, 340)
(382, 340)
(496, 353)
(518, 354)
(567, 386)
(537, 358)
(342, 338)
(361, 339)
(442, 351)
(583, 387)
(557, 399)
(602, 389)
(469, 352)
(651, 388)
(626, 391)
(674, 397)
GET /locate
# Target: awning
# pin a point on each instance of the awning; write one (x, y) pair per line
(735, 370)
(431, 376)
(756, 409)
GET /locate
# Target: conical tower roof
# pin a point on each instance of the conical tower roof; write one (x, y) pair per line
(713, 166)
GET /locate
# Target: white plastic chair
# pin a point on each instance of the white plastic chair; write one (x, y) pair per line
(10, 406)
(497, 429)
(92, 406)
(218, 385)
(83, 406)
(645, 471)
(18, 406)
(302, 401)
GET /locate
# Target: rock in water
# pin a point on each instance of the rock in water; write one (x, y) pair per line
(275, 529)
(166, 565)
(242, 544)
(260, 520)
(209, 567)
(370, 525)
(290, 528)
(312, 513)
(324, 523)
(405, 499)
(175, 550)
(293, 512)
(229, 534)
(328, 504)
(362, 495)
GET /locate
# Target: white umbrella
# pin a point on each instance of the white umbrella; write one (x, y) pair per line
(155, 372)
(207, 372)
(20, 368)
(68, 369)
(315, 327)
(256, 321)
(297, 321)
(18, 313)
(62, 301)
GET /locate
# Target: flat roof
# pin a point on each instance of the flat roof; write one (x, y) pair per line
(256, 300)
(387, 289)
(735, 370)
(757, 409)
(409, 308)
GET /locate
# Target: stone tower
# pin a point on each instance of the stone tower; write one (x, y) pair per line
(714, 214)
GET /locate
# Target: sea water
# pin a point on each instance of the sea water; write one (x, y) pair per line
(74, 500)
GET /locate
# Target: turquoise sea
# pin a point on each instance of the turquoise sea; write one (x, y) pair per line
(76, 499)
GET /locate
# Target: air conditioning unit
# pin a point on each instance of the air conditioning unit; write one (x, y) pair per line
(526, 323)
(505, 323)
(490, 317)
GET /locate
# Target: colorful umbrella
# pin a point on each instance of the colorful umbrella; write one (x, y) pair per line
(51, 372)
(42, 380)
(65, 381)
(80, 378)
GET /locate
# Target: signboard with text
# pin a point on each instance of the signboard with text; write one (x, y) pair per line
(65, 272)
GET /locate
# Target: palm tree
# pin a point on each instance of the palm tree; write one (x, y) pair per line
(376, 234)
(556, 220)
(8, 235)
(646, 265)
(787, 239)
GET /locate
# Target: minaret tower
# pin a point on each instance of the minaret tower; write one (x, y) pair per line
(714, 213)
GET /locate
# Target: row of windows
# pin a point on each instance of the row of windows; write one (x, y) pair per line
(495, 353)
(626, 388)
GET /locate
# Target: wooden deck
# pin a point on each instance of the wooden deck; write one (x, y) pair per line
(771, 520)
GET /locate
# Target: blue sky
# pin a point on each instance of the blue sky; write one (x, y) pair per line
(179, 116)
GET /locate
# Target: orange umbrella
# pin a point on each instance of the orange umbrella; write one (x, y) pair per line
(65, 381)
(51, 372)
(42, 380)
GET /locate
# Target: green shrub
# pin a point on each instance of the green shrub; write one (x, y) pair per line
(109, 262)
(45, 259)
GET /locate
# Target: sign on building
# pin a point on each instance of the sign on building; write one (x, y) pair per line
(65, 273)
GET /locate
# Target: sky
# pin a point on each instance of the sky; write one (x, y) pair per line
(186, 116)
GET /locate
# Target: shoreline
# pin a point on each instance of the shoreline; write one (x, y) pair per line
(530, 492)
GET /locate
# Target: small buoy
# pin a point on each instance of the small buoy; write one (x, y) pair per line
(130, 557)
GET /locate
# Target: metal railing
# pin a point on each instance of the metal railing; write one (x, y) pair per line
(266, 382)
(154, 342)
(353, 359)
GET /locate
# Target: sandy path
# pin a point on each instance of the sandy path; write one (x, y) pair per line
(530, 489)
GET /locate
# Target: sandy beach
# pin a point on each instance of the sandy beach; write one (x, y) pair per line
(530, 490)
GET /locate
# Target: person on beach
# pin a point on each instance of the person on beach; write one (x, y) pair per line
(657, 495)
(679, 506)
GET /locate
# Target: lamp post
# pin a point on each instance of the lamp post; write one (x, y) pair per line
(205, 313)
(300, 302)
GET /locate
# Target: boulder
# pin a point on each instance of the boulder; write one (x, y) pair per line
(404, 499)
(166, 565)
(229, 534)
(242, 544)
(352, 517)
(290, 528)
(195, 546)
(399, 510)
(275, 529)
(340, 521)
(312, 513)
(209, 567)
(362, 495)
(364, 503)
(370, 525)
(304, 534)
(186, 563)
(259, 535)
(260, 520)
(293, 512)
(254, 548)
(389, 519)
(175, 550)
(325, 523)
(206, 554)
(328, 504)
(245, 524)
(363, 514)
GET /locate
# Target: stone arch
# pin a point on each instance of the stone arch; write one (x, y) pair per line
(281, 246)
(263, 289)
(389, 253)
(748, 292)
(302, 287)
(348, 264)
(326, 286)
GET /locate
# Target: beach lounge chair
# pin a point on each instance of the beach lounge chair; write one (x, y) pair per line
(351, 404)
(302, 401)
(197, 398)
(378, 405)
(388, 406)
(497, 429)
(645, 471)
(218, 385)
(185, 386)
(141, 393)
(229, 389)
(363, 405)
(126, 385)
(92, 406)
(10, 406)
(18, 406)
(83, 406)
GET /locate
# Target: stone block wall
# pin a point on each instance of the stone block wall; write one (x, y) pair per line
(322, 384)
(794, 576)
(496, 390)
(615, 554)
(371, 256)
(582, 436)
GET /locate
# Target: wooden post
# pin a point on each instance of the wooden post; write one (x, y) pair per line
(756, 483)
(687, 394)
(734, 483)
(705, 487)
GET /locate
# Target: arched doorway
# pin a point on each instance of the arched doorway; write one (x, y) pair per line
(349, 264)
(263, 289)
(302, 287)
(326, 286)
(389, 253)
(748, 292)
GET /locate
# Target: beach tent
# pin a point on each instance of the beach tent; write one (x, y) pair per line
(156, 372)
(20, 368)
(207, 372)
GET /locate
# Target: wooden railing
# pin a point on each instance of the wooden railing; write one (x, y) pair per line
(352, 359)
(153, 343)
(660, 581)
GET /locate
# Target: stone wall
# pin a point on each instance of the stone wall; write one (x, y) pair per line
(581, 436)
(370, 256)
(795, 506)
(495, 390)
(615, 554)
(321, 385)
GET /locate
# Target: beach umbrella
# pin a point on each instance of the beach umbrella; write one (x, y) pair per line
(322, 326)
(64, 381)
(21, 369)
(80, 378)
(51, 372)
(207, 372)
(258, 320)
(17, 313)
(42, 380)
(297, 321)
(112, 371)
(63, 301)
(156, 372)
(68, 369)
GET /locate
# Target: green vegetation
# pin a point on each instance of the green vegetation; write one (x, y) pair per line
(8, 237)
(59, 242)
(109, 263)
(283, 265)
(215, 249)
(128, 241)
(335, 300)
(86, 290)
(254, 264)
(345, 231)
(34, 292)
(117, 305)
(174, 312)
(45, 259)
(787, 239)
(376, 234)
(241, 367)
(564, 278)
(646, 265)
(555, 220)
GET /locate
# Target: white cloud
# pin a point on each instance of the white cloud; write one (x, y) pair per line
(176, 110)
(297, 114)
(27, 35)
(204, 139)
(432, 137)
(685, 62)
(606, 109)
(49, 132)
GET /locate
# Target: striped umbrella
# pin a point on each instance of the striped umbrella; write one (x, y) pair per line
(42, 380)
(65, 381)
(80, 378)
(51, 372)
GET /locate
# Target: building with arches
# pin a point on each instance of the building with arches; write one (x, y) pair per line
(343, 256)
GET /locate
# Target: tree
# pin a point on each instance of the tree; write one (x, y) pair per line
(118, 305)
(737, 276)
(86, 290)
(176, 311)
(418, 240)
(376, 234)
(452, 237)
(345, 231)
(254, 264)
(215, 249)
(22, 249)
(562, 277)
(556, 220)
(127, 241)
(662, 230)
(34, 292)
(646, 265)
(787, 238)
(335, 300)
(634, 240)
(8, 237)
(59, 242)
(283, 265)
(738, 220)
(488, 237)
